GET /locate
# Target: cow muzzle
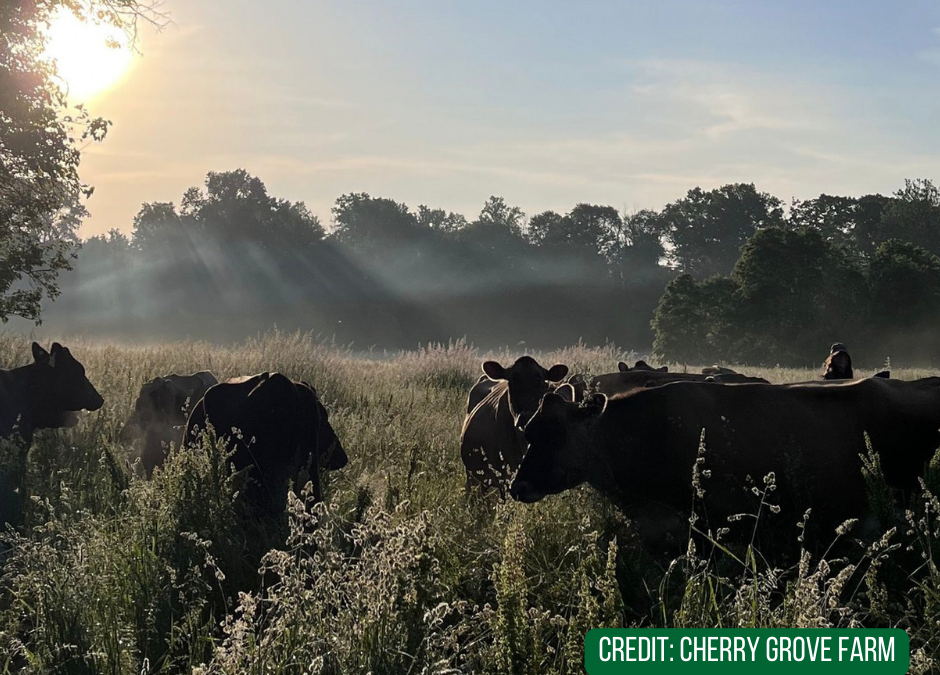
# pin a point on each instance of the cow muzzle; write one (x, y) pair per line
(523, 491)
(336, 457)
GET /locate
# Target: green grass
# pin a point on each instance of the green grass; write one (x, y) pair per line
(399, 571)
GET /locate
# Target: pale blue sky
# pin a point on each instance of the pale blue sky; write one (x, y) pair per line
(545, 103)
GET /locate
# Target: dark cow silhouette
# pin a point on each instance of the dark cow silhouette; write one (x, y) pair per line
(640, 449)
(160, 412)
(718, 370)
(838, 364)
(626, 381)
(499, 405)
(45, 394)
(277, 428)
(641, 365)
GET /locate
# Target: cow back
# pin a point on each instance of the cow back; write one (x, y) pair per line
(275, 428)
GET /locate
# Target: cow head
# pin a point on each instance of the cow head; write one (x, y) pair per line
(59, 387)
(556, 437)
(642, 366)
(839, 364)
(330, 452)
(528, 382)
(163, 401)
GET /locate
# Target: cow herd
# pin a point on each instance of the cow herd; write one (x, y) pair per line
(715, 447)
(274, 428)
(654, 442)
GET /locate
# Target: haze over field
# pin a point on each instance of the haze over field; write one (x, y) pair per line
(545, 103)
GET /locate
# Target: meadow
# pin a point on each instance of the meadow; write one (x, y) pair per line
(399, 570)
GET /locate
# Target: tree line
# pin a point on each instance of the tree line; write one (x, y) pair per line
(230, 259)
(727, 274)
(863, 271)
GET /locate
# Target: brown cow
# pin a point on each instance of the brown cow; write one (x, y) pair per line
(640, 449)
(160, 412)
(499, 405)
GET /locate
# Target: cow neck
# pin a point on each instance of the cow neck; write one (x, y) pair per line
(17, 390)
(30, 389)
(603, 477)
(20, 386)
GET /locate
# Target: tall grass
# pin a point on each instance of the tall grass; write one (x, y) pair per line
(399, 570)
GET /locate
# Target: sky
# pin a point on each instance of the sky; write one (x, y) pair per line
(545, 103)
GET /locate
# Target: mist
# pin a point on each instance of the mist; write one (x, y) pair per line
(728, 275)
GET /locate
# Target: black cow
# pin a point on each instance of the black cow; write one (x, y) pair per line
(282, 428)
(45, 394)
(160, 412)
(626, 381)
(499, 405)
(640, 449)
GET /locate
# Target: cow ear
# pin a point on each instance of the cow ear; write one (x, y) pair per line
(494, 371)
(662, 369)
(623, 367)
(594, 405)
(557, 373)
(884, 374)
(566, 393)
(56, 347)
(39, 354)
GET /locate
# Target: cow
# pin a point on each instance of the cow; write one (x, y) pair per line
(160, 412)
(641, 365)
(45, 394)
(838, 365)
(499, 405)
(275, 428)
(626, 381)
(718, 370)
(640, 449)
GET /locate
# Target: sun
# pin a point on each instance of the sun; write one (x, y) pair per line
(90, 58)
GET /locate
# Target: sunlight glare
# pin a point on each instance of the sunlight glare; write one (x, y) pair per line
(86, 61)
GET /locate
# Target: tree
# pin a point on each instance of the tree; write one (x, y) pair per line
(640, 249)
(914, 216)
(547, 229)
(40, 189)
(440, 220)
(706, 230)
(833, 217)
(496, 213)
(589, 231)
(854, 224)
(370, 223)
(691, 320)
(235, 208)
(798, 293)
(905, 288)
(498, 229)
(158, 223)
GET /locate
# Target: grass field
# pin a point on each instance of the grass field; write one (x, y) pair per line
(399, 570)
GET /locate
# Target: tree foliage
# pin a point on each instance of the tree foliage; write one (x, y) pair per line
(706, 230)
(40, 190)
